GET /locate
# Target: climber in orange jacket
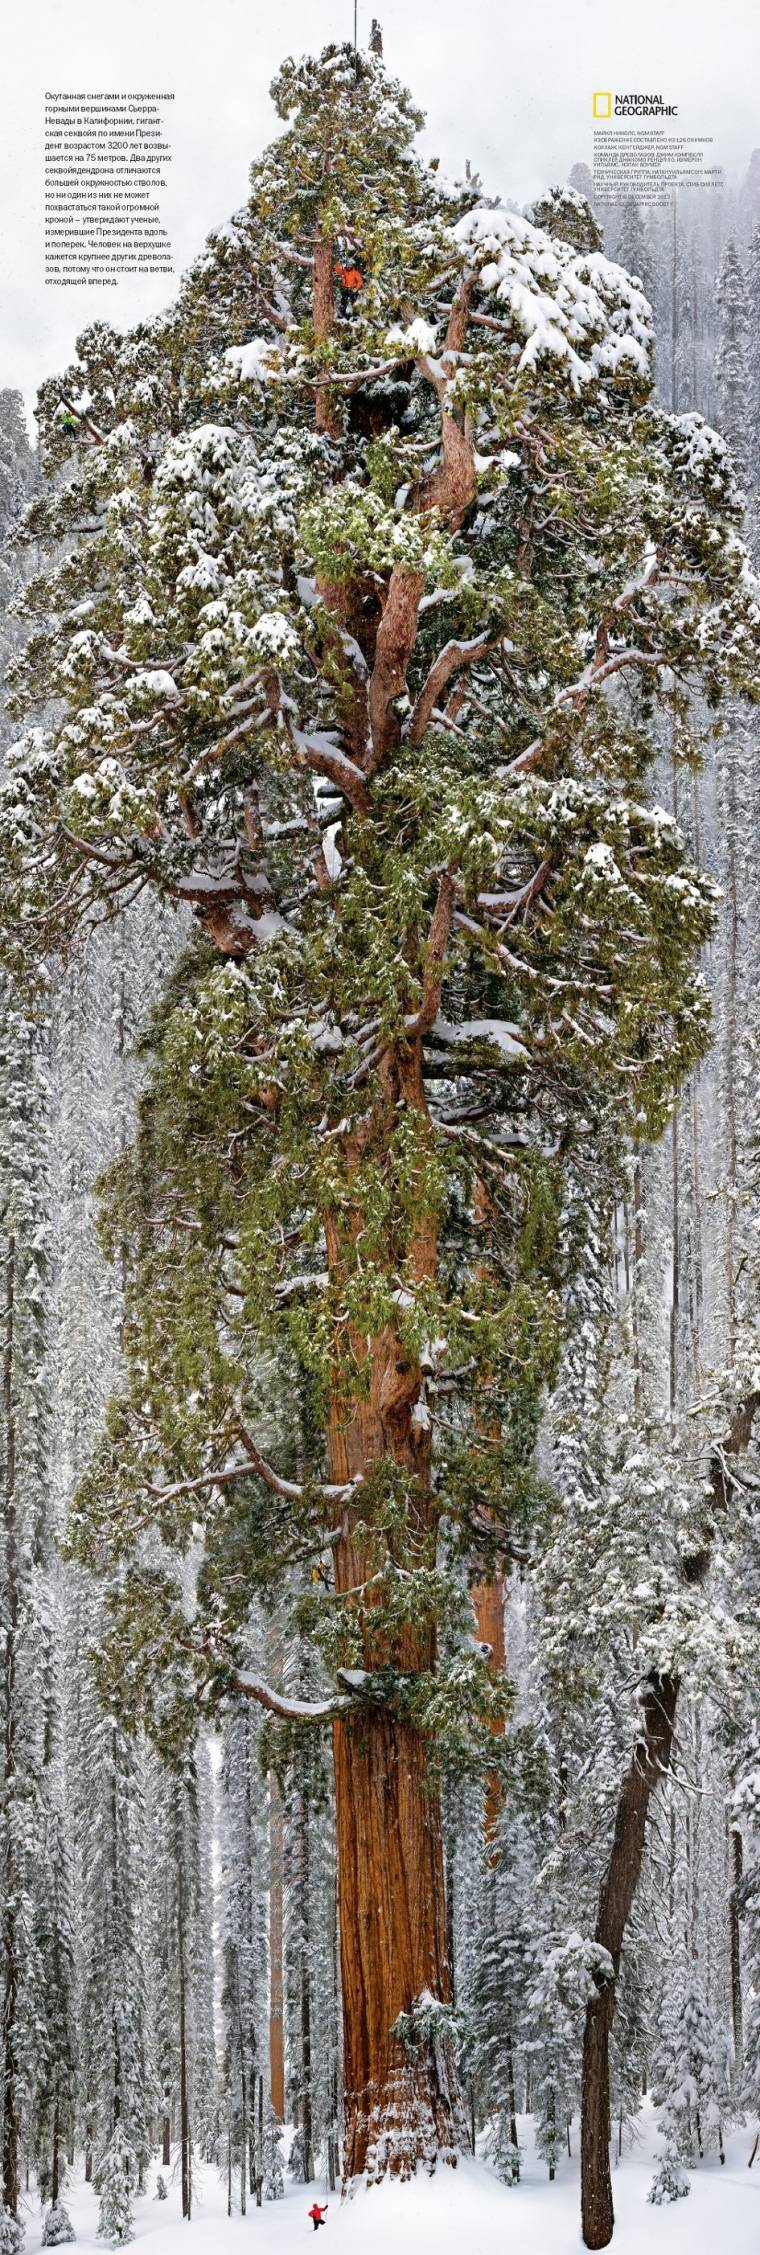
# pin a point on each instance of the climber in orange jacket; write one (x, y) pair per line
(350, 281)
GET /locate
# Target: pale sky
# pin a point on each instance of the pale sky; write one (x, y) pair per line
(507, 85)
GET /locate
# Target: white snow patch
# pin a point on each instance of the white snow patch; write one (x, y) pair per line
(439, 2215)
(332, 854)
(256, 362)
(575, 307)
(498, 1030)
(420, 336)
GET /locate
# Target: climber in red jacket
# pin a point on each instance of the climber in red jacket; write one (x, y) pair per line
(318, 2214)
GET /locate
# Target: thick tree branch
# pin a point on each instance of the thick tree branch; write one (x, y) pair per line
(292, 1710)
(396, 636)
(328, 760)
(451, 659)
(292, 1490)
(453, 487)
(435, 956)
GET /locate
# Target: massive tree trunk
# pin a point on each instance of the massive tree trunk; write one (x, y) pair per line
(400, 2109)
(402, 2105)
(650, 1761)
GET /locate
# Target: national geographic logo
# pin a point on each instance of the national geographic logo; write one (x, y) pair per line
(632, 105)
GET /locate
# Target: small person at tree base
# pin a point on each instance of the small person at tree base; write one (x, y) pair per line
(318, 2214)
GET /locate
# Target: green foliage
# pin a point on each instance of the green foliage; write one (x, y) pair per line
(428, 2023)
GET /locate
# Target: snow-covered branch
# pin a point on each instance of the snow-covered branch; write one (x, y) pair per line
(451, 659)
(292, 1490)
(292, 1710)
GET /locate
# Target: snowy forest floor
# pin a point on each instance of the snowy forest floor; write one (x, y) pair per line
(466, 2208)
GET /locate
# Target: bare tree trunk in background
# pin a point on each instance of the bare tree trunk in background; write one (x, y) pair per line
(696, 1843)
(243, 2124)
(511, 2093)
(184, 2105)
(260, 2146)
(307, 2124)
(333, 2135)
(737, 2015)
(650, 1761)
(276, 1984)
(55, 2178)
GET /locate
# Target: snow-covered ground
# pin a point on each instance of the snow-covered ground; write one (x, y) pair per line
(459, 2212)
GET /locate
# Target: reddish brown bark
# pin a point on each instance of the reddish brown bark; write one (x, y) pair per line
(488, 1601)
(396, 637)
(453, 487)
(399, 2109)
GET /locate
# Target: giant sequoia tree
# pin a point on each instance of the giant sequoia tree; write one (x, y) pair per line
(356, 609)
